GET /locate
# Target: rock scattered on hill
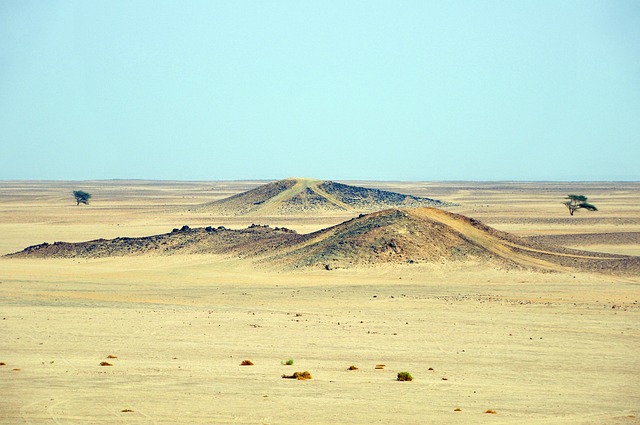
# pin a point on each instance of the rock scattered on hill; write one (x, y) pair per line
(296, 196)
(394, 236)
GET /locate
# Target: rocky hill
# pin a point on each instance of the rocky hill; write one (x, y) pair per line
(249, 242)
(395, 236)
(296, 196)
(429, 235)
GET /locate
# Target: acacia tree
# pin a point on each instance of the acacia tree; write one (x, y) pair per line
(81, 197)
(575, 202)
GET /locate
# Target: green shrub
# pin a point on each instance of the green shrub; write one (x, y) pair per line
(404, 376)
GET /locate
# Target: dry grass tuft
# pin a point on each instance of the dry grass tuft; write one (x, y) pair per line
(105, 364)
(404, 376)
(246, 363)
(352, 367)
(380, 366)
(457, 409)
(126, 410)
(300, 376)
(3, 364)
(111, 356)
(493, 412)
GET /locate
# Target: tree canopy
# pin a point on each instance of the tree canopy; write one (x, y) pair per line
(81, 197)
(575, 202)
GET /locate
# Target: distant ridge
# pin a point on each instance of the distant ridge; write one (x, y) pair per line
(394, 236)
(298, 196)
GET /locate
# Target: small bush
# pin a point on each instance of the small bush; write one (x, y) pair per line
(246, 363)
(105, 364)
(287, 362)
(300, 376)
(491, 411)
(352, 367)
(380, 366)
(404, 376)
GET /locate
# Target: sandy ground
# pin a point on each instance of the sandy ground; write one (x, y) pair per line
(548, 348)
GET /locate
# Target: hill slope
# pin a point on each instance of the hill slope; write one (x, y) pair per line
(297, 196)
(422, 235)
(429, 235)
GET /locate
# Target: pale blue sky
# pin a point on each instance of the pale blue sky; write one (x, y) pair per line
(386, 90)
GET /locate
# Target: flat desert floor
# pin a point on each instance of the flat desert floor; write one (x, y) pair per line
(483, 345)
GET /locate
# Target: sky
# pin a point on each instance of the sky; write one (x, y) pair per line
(338, 90)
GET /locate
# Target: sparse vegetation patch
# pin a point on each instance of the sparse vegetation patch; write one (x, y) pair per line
(404, 376)
(576, 202)
(81, 197)
(300, 376)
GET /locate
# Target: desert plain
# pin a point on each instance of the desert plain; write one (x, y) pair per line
(484, 344)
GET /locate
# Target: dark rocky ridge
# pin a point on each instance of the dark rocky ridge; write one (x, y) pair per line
(421, 235)
(610, 238)
(305, 196)
(251, 241)
(376, 199)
